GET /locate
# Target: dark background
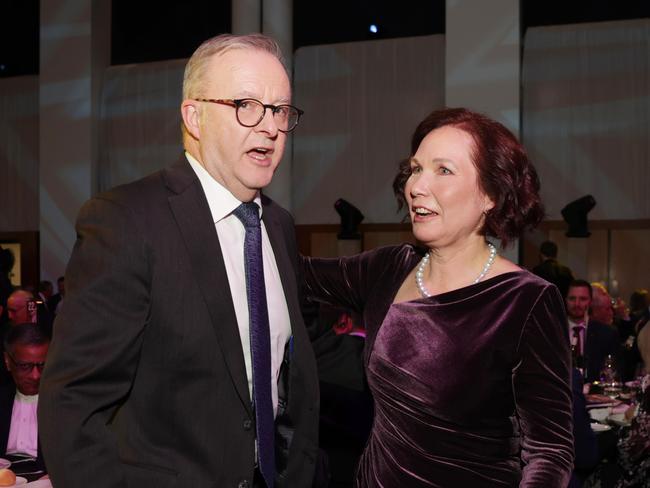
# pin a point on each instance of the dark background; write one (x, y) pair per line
(148, 30)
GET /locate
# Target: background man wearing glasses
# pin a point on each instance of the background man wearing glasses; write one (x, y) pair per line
(154, 376)
(25, 350)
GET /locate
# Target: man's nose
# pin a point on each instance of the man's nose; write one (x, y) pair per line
(268, 123)
(35, 374)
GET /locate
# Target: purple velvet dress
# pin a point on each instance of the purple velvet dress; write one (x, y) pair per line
(471, 387)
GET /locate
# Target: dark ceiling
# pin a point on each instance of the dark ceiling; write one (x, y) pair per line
(148, 30)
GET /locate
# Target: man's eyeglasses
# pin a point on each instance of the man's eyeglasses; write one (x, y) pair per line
(26, 368)
(250, 112)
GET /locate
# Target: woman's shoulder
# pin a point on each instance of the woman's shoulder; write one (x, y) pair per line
(394, 256)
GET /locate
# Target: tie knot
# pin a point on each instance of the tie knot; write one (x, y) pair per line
(249, 214)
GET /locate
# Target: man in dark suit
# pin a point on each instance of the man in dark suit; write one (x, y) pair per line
(55, 300)
(590, 339)
(26, 347)
(551, 270)
(150, 374)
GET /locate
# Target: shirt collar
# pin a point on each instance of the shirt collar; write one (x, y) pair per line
(26, 398)
(573, 324)
(221, 201)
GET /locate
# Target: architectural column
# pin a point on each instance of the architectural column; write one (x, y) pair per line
(246, 16)
(74, 53)
(483, 63)
(277, 22)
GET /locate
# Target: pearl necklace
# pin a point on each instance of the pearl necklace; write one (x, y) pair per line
(419, 273)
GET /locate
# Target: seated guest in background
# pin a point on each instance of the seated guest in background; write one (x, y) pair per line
(466, 354)
(628, 331)
(17, 311)
(6, 264)
(633, 467)
(551, 270)
(591, 340)
(639, 308)
(602, 306)
(26, 347)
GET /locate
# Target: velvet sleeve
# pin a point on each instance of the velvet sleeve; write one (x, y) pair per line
(542, 390)
(347, 281)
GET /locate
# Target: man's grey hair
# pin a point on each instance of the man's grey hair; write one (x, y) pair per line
(195, 69)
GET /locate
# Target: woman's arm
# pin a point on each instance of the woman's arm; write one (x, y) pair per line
(347, 281)
(542, 389)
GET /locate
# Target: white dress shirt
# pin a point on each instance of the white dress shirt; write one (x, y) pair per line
(23, 433)
(231, 235)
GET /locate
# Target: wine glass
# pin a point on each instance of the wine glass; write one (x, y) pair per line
(609, 378)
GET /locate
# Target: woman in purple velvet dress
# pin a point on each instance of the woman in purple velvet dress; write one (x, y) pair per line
(467, 354)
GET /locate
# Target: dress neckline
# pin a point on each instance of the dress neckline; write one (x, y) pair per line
(465, 291)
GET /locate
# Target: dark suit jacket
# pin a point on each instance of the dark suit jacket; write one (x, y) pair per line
(601, 341)
(555, 273)
(145, 383)
(7, 396)
(53, 302)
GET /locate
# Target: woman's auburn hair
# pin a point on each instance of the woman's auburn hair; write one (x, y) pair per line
(505, 174)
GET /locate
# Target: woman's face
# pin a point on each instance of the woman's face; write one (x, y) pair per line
(443, 196)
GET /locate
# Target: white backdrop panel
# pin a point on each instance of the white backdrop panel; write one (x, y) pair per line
(362, 102)
(19, 154)
(141, 120)
(586, 115)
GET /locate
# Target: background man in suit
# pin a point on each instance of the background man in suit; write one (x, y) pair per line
(55, 300)
(150, 374)
(17, 307)
(592, 340)
(26, 347)
(551, 270)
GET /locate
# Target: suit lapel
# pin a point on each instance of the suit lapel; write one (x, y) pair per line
(192, 214)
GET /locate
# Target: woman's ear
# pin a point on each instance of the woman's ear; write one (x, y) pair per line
(488, 204)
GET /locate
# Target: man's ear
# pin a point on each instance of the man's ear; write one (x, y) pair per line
(191, 118)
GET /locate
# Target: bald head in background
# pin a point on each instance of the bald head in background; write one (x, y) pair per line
(17, 307)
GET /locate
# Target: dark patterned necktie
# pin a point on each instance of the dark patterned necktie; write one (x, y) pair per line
(578, 333)
(260, 338)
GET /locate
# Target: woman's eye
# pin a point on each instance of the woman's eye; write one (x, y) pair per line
(415, 169)
(444, 171)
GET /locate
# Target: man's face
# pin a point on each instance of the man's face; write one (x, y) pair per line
(25, 363)
(17, 309)
(243, 159)
(577, 302)
(602, 309)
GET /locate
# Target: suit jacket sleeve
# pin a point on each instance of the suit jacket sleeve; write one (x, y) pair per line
(95, 348)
